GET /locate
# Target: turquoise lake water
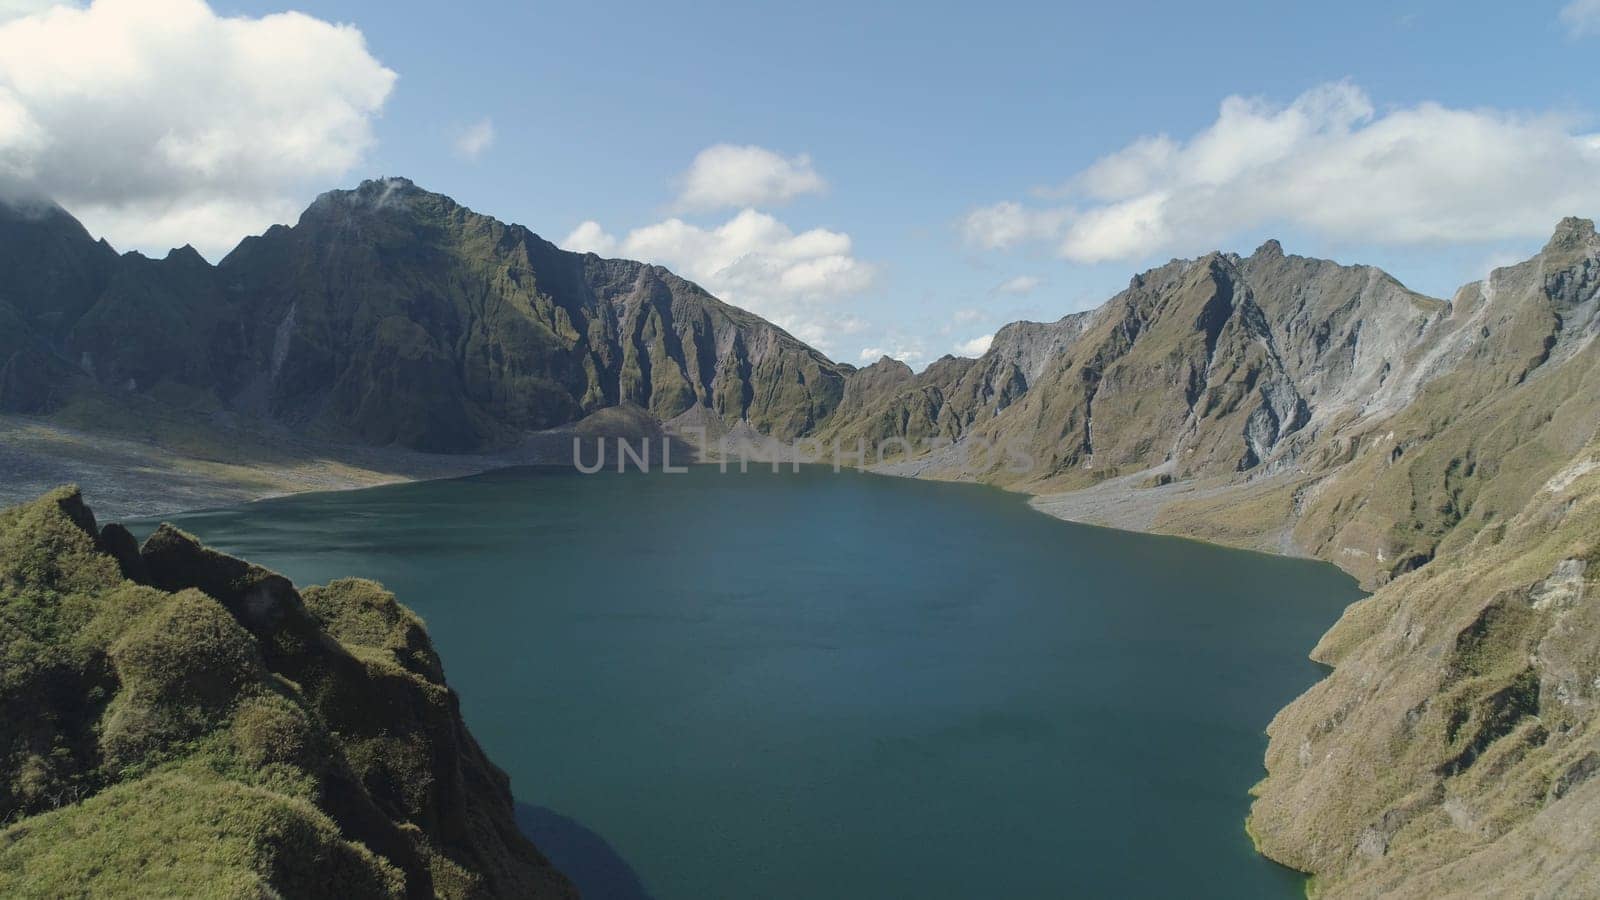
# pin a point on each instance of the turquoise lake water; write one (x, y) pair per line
(824, 685)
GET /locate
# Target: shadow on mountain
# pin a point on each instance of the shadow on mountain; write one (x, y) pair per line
(582, 855)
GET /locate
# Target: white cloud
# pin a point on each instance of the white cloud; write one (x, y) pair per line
(908, 355)
(13, 9)
(726, 175)
(1329, 164)
(1022, 284)
(475, 139)
(1582, 18)
(1009, 223)
(975, 347)
(848, 324)
(589, 237)
(159, 122)
(755, 261)
(797, 280)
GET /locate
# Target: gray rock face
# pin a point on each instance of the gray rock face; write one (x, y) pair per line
(392, 316)
(1237, 365)
(1184, 367)
(1339, 328)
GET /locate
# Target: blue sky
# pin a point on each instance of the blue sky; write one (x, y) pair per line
(915, 120)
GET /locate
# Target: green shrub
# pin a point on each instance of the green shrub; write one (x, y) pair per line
(172, 835)
(360, 613)
(190, 650)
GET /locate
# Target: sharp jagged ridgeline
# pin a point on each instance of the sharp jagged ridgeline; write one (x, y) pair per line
(388, 316)
(1444, 452)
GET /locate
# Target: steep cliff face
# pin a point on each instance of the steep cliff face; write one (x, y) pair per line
(1339, 330)
(1202, 367)
(419, 322)
(1451, 753)
(1228, 370)
(1484, 399)
(51, 271)
(390, 315)
(170, 716)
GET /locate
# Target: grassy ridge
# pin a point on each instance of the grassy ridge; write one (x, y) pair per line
(177, 722)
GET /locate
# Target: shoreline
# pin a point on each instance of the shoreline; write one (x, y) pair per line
(132, 477)
(143, 477)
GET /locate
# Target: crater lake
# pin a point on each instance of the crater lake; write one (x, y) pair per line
(820, 684)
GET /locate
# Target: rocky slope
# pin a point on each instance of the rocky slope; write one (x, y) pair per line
(1451, 751)
(1208, 367)
(388, 316)
(172, 718)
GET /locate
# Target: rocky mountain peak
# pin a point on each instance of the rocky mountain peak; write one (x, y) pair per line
(186, 255)
(37, 217)
(28, 208)
(1572, 233)
(375, 195)
(1269, 250)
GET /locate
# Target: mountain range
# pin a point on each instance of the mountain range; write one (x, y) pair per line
(389, 316)
(1443, 451)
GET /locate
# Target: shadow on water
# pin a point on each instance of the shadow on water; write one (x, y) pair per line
(584, 856)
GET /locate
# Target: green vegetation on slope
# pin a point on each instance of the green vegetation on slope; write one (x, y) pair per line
(1452, 751)
(176, 722)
